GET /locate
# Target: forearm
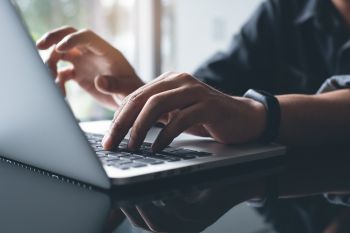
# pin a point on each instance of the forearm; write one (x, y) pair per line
(315, 119)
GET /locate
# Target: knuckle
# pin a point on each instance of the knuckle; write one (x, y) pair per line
(169, 73)
(197, 87)
(135, 100)
(185, 77)
(166, 76)
(155, 100)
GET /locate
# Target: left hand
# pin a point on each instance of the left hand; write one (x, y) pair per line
(188, 105)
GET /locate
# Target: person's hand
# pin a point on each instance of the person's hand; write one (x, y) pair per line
(97, 67)
(189, 104)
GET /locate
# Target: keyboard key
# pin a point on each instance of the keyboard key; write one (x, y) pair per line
(113, 153)
(123, 167)
(98, 148)
(169, 149)
(173, 159)
(143, 152)
(150, 161)
(114, 158)
(137, 165)
(183, 152)
(132, 157)
(102, 154)
(164, 157)
(185, 156)
(203, 154)
(146, 145)
(120, 162)
(123, 146)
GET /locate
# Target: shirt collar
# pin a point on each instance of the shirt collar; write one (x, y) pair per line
(309, 11)
(321, 12)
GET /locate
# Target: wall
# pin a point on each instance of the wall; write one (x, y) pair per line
(202, 27)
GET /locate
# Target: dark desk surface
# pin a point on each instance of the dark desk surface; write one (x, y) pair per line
(208, 202)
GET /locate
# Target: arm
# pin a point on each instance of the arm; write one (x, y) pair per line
(315, 119)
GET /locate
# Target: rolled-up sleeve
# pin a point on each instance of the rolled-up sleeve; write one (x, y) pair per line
(332, 84)
(335, 83)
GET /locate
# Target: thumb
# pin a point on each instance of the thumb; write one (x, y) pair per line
(107, 84)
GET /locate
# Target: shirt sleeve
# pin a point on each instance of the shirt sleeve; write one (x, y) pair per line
(249, 61)
(332, 84)
(335, 83)
(338, 199)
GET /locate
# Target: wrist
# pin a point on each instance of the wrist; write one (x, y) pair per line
(272, 111)
(257, 117)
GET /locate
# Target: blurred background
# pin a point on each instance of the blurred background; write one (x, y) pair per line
(155, 35)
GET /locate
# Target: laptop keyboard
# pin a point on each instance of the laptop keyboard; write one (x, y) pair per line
(124, 159)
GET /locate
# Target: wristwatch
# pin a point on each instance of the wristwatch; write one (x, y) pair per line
(273, 113)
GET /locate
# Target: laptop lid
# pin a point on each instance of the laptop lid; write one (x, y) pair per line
(36, 125)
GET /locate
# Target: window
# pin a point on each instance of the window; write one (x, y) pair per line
(155, 35)
(112, 19)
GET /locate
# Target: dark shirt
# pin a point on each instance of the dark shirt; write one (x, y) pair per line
(287, 46)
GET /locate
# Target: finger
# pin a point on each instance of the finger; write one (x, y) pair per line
(134, 217)
(155, 218)
(186, 118)
(158, 105)
(111, 85)
(54, 57)
(54, 37)
(132, 106)
(52, 61)
(63, 76)
(198, 130)
(84, 38)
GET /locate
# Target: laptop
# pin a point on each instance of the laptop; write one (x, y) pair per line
(38, 128)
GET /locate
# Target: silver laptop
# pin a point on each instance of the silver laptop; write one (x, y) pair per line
(38, 128)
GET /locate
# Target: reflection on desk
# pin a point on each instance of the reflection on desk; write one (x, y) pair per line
(34, 202)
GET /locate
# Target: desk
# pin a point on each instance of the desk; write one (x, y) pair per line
(33, 202)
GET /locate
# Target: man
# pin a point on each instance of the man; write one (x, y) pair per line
(286, 47)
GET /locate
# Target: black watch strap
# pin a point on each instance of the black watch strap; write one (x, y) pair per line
(273, 113)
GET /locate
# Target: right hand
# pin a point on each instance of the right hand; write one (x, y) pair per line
(97, 66)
